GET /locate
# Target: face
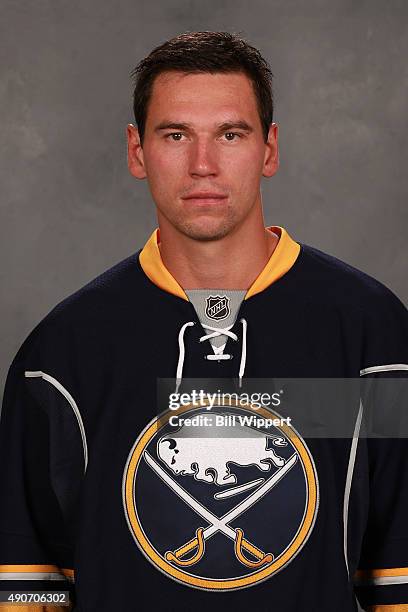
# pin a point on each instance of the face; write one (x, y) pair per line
(203, 152)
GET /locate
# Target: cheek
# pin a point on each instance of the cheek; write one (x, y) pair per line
(162, 160)
(164, 170)
(244, 171)
(163, 174)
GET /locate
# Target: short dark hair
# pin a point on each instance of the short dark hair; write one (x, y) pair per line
(212, 52)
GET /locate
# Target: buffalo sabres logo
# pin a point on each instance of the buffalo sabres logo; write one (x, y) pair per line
(218, 504)
(217, 307)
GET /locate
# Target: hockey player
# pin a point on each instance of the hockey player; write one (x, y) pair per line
(102, 495)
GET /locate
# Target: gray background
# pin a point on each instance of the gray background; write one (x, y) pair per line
(69, 207)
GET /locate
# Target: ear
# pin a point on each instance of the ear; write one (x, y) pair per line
(135, 152)
(271, 160)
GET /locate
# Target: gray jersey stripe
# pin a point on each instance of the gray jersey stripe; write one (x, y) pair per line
(349, 479)
(70, 400)
(381, 581)
(34, 576)
(391, 367)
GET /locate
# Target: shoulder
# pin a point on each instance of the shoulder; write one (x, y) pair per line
(363, 305)
(92, 309)
(366, 310)
(328, 279)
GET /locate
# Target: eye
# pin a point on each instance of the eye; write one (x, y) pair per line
(174, 136)
(233, 134)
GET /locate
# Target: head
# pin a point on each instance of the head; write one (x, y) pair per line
(168, 449)
(204, 135)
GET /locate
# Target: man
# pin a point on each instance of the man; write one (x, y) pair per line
(108, 495)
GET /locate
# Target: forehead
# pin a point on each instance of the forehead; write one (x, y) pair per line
(201, 95)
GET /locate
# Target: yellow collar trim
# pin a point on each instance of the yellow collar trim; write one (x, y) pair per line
(282, 259)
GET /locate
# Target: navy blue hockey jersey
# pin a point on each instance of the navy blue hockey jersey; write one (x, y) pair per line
(105, 495)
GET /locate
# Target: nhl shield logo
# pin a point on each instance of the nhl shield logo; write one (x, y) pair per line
(217, 307)
(197, 495)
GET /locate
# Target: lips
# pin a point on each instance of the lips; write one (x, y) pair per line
(205, 197)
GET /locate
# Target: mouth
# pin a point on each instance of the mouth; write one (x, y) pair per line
(205, 198)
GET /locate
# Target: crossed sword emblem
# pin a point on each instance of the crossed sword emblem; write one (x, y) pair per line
(197, 543)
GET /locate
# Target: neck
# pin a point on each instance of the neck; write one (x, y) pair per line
(220, 263)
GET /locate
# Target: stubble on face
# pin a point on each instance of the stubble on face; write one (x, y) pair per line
(175, 170)
(212, 227)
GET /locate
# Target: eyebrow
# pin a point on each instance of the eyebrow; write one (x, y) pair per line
(228, 125)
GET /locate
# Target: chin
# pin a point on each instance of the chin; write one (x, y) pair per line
(205, 232)
(206, 227)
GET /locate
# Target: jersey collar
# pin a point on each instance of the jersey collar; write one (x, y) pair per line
(282, 259)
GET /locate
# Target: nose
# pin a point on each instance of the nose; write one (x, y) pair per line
(203, 159)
